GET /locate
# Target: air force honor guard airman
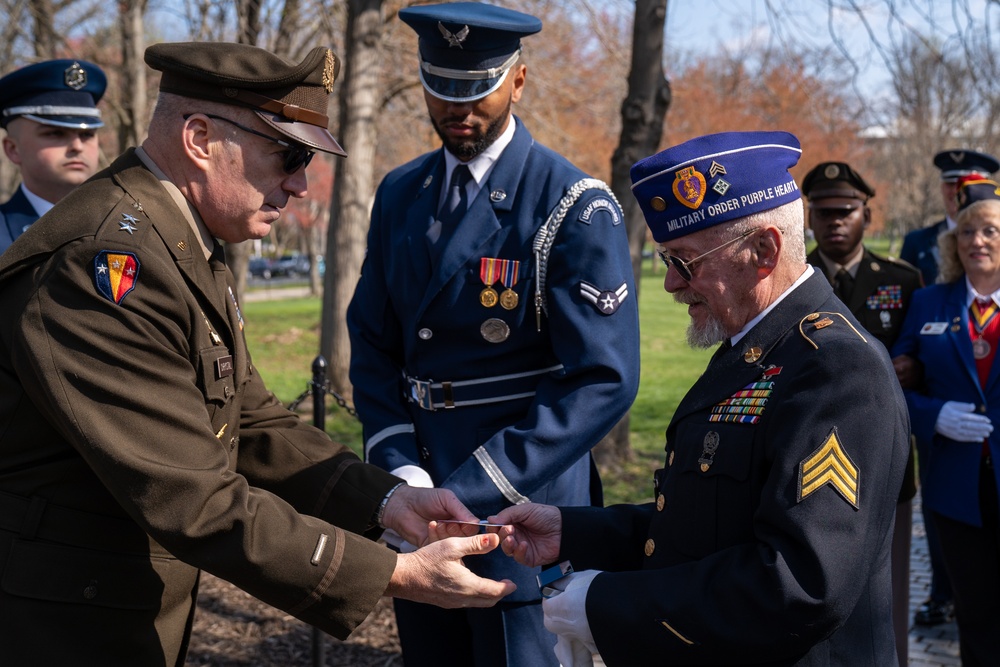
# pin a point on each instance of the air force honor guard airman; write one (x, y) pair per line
(494, 331)
(50, 112)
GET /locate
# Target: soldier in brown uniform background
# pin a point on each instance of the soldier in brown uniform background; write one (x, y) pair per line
(877, 290)
(138, 444)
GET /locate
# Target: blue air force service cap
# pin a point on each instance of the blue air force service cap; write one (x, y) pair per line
(713, 179)
(957, 163)
(467, 48)
(63, 93)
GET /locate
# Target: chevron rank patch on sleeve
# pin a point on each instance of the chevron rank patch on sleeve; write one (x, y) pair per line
(605, 301)
(830, 465)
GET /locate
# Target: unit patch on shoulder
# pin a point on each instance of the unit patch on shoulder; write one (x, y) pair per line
(115, 274)
(605, 301)
(600, 204)
(830, 465)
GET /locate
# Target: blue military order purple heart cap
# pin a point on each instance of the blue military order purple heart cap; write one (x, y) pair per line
(715, 178)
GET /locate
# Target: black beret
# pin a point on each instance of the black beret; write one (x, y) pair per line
(291, 97)
(829, 180)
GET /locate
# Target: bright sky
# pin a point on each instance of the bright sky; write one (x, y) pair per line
(701, 27)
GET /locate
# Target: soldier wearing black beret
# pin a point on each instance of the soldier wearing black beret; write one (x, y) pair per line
(877, 290)
(139, 444)
(49, 110)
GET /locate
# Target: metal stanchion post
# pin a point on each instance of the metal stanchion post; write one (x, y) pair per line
(319, 368)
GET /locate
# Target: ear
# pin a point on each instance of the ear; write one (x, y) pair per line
(868, 218)
(519, 72)
(767, 250)
(195, 140)
(11, 151)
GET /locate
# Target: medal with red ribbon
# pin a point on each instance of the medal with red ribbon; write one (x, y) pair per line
(489, 273)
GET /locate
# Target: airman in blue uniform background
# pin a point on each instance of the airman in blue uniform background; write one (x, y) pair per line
(49, 110)
(920, 245)
(492, 348)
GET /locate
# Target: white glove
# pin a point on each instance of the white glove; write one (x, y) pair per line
(565, 615)
(959, 422)
(573, 653)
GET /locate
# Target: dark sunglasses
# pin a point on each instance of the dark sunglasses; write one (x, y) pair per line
(296, 156)
(683, 268)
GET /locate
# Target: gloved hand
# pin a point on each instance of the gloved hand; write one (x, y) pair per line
(959, 422)
(573, 653)
(565, 615)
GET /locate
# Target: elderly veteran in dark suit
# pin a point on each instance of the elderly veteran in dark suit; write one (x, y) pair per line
(138, 443)
(953, 328)
(768, 538)
(49, 110)
(877, 290)
(493, 344)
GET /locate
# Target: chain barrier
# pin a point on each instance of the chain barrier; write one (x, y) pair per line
(325, 389)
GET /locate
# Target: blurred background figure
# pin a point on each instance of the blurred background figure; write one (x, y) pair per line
(50, 112)
(954, 330)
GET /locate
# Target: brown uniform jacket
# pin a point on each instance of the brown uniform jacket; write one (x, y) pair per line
(139, 445)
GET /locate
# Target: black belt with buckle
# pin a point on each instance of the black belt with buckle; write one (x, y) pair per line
(431, 395)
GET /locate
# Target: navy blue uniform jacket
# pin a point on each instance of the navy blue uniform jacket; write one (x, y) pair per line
(16, 215)
(951, 486)
(408, 318)
(755, 551)
(920, 248)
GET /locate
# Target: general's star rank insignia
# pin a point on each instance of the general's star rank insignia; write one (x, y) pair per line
(605, 301)
(831, 465)
(115, 274)
(127, 224)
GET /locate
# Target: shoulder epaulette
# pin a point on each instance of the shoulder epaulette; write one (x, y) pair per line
(814, 322)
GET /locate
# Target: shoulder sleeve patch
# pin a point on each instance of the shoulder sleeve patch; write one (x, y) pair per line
(830, 465)
(597, 205)
(115, 274)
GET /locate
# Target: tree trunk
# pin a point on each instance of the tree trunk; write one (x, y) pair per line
(45, 36)
(133, 73)
(643, 112)
(353, 182)
(248, 19)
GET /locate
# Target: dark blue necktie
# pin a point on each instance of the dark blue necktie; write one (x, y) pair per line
(452, 210)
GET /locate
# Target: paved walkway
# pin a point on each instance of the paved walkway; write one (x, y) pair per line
(935, 646)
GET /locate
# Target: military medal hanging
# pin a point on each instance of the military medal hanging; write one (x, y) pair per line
(982, 316)
(493, 270)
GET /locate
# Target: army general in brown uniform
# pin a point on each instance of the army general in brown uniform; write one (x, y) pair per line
(138, 444)
(877, 290)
